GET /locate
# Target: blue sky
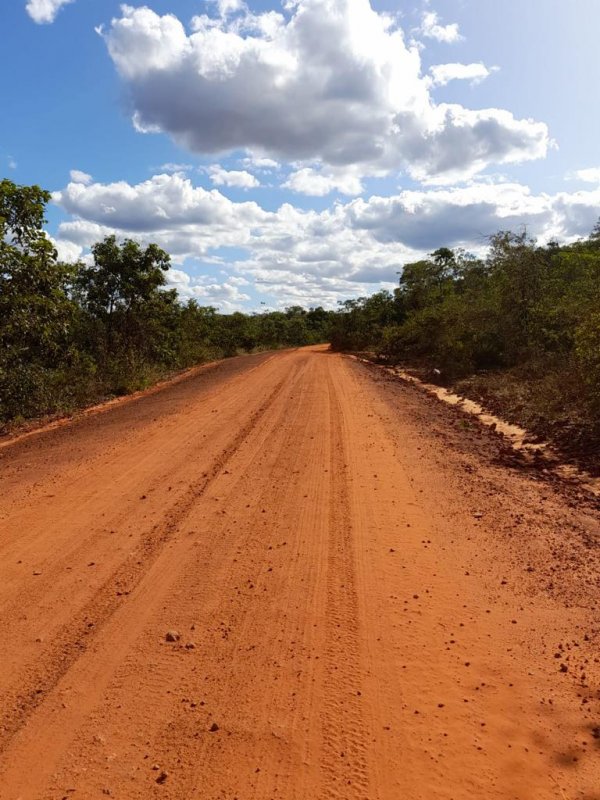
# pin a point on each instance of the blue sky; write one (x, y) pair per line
(302, 154)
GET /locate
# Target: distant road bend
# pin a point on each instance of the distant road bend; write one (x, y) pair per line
(290, 577)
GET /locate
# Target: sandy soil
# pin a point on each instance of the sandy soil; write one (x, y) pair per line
(369, 597)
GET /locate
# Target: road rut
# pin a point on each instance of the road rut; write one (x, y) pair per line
(373, 600)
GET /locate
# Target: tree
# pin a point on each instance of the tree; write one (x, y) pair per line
(35, 308)
(121, 288)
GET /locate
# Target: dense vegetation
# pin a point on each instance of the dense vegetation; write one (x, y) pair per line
(73, 334)
(519, 329)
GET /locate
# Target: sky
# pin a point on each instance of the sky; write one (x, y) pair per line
(302, 152)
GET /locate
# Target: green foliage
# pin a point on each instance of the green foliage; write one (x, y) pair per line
(35, 308)
(73, 334)
(587, 349)
(525, 311)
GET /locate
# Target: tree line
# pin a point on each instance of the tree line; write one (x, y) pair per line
(71, 334)
(520, 328)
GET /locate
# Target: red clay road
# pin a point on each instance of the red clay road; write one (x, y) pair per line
(369, 597)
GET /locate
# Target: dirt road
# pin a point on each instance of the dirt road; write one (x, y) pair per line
(369, 599)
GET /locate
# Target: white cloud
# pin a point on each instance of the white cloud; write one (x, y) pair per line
(228, 7)
(164, 201)
(239, 179)
(318, 183)
(311, 257)
(171, 167)
(331, 83)
(475, 73)
(77, 176)
(226, 296)
(260, 163)
(184, 219)
(45, 11)
(12, 164)
(432, 29)
(590, 175)
(68, 251)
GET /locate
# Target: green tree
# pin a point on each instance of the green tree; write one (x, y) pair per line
(35, 308)
(123, 290)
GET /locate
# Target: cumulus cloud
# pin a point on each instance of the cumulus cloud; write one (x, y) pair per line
(432, 29)
(45, 11)
(67, 251)
(164, 201)
(589, 175)
(239, 179)
(442, 74)
(318, 183)
(225, 295)
(77, 176)
(260, 163)
(311, 256)
(330, 82)
(186, 220)
(463, 216)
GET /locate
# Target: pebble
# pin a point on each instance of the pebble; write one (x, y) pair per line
(172, 636)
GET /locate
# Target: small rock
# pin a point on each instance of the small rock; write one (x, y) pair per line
(172, 636)
(37, 572)
(162, 777)
(190, 646)
(214, 728)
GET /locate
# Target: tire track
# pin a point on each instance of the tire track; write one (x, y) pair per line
(74, 639)
(167, 727)
(344, 752)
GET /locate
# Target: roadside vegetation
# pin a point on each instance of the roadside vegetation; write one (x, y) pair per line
(518, 330)
(71, 335)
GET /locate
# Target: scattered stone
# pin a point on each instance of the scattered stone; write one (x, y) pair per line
(162, 777)
(190, 646)
(214, 728)
(172, 636)
(37, 572)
